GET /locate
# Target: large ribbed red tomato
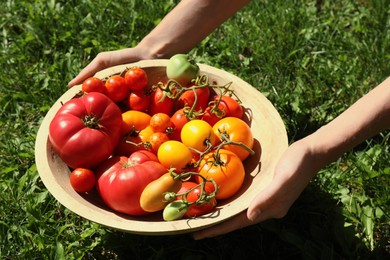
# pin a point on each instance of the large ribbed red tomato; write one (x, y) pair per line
(85, 131)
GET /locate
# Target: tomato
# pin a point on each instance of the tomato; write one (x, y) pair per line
(155, 140)
(93, 84)
(227, 171)
(116, 88)
(182, 69)
(196, 209)
(212, 115)
(85, 131)
(129, 144)
(161, 122)
(196, 134)
(232, 106)
(134, 120)
(145, 133)
(178, 119)
(138, 100)
(82, 180)
(136, 78)
(152, 197)
(175, 210)
(174, 154)
(121, 180)
(189, 97)
(238, 131)
(160, 103)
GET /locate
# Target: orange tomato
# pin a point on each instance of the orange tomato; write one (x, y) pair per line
(228, 173)
(160, 122)
(237, 131)
(134, 120)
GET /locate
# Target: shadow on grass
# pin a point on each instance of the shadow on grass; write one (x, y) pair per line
(314, 228)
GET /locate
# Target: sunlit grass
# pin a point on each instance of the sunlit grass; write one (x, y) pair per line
(312, 59)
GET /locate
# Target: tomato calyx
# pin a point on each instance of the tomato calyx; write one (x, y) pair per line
(226, 141)
(91, 121)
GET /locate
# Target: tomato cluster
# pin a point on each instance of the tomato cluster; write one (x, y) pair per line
(175, 146)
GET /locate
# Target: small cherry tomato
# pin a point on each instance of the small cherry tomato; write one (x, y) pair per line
(178, 119)
(160, 122)
(196, 209)
(160, 103)
(233, 107)
(226, 169)
(155, 140)
(136, 78)
(189, 97)
(138, 100)
(116, 88)
(235, 130)
(197, 134)
(93, 84)
(213, 114)
(174, 154)
(82, 180)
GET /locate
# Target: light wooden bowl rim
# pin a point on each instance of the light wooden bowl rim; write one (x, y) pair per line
(269, 131)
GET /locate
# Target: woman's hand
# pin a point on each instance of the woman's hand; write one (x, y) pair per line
(180, 31)
(367, 117)
(107, 59)
(292, 174)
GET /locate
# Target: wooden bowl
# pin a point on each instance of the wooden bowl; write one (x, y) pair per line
(270, 142)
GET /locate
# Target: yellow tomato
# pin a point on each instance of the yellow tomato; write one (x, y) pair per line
(174, 154)
(196, 133)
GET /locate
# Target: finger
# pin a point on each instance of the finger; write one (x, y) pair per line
(96, 65)
(104, 60)
(237, 222)
(262, 206)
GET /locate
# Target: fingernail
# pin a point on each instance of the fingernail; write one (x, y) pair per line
(254, 214)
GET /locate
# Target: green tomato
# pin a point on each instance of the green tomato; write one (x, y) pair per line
(175, 210)
(182, 69)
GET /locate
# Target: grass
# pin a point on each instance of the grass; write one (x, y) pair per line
(312, 59)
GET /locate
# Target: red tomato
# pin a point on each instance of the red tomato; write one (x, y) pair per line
(161, 104)
(136, 78)
(189, 97)
(138, 100)
(116, 88)
(196, 210)
(82, 180)
(121, 180)
(93, 85)
(178, 119)
(228, 172)
(85, 131)
(213, 115)
(232, 107)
